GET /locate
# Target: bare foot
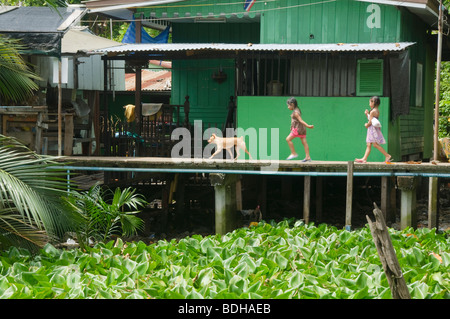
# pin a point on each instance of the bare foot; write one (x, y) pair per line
(360, 160)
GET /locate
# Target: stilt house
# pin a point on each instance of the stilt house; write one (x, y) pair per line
(239, 61)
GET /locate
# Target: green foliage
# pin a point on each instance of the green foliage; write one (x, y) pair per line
(103, 213)
(285, 260)
(16, 78)
(444, 102)
(30, 192)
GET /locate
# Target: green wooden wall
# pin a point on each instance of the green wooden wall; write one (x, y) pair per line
(338, 134)
(294, 21)
(345, 21)
(208, 98)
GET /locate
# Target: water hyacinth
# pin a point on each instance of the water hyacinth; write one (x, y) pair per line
(283, 260)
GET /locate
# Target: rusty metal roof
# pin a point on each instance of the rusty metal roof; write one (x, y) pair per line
(151, 81)
(331, 47)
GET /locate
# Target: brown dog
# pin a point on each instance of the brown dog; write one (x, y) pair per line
(227, 143)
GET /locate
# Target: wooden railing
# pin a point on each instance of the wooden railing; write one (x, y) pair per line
(155, 133)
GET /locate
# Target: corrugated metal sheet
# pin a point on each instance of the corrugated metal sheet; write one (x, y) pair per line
(76, 40)
(151, 81)
(38, 19)
(159, 78)
(331, 47)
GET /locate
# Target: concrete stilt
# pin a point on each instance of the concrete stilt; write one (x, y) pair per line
(349, 196)
(225, 201)
(408, 209)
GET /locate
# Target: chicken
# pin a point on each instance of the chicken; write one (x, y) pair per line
(252, 215)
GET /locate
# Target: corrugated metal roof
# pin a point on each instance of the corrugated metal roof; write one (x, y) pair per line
(76, 40)
(38, 19)
(151, 81)
(331, 47)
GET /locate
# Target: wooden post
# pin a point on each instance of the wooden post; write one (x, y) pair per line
(239, 195)
(407, 185)
(433, 191)
(319, 196)
(59, 110)
(385, 196)
(186, 108)
(386, 252)
(165, 191)
(180, 210)
(306, 198)
(392, 200)
(38, 139)
(349, 200)
(68, 134)
(262, 193)
(138, 89)
(225, 201)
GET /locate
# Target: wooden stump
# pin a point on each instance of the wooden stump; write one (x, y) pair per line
(386, 252)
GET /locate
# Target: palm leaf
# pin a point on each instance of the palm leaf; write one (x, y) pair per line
(30, 190)
(16, 78)
(14, 231)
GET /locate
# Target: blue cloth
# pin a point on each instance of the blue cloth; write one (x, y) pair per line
(248, 4)
(130, 35)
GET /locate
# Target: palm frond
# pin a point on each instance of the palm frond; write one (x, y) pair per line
(16, 78)
(31, 189)
(15, 231)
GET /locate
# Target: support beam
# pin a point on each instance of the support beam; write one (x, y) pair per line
(433, 191)
(68, 134)
(225, 201)
(319, 198)
(385, 196)
(392, 200)
(239, 195)
(306, 198)
(408, 209)
(349, 196)
(59, 110)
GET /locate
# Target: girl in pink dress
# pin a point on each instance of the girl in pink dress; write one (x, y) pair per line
(374, 135)
(298, 129)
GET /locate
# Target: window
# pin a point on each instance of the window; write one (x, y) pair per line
(369, 79)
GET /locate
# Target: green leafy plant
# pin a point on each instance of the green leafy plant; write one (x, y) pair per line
(284, 260)
(104, 213)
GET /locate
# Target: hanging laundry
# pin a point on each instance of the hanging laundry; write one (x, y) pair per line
(130, 35)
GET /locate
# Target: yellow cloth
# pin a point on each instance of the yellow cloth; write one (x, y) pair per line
(129, 112)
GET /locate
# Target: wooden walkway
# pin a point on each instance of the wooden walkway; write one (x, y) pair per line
(325, 168)
(223, 173)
